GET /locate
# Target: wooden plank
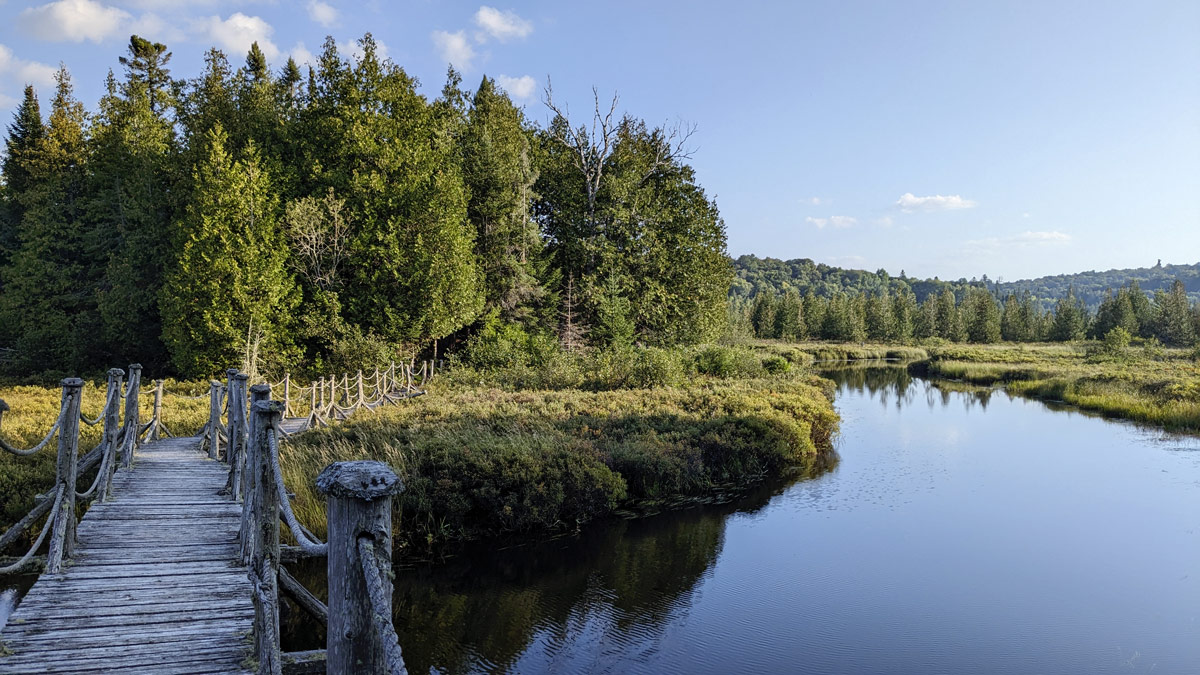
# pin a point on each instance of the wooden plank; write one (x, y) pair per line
(155, 585)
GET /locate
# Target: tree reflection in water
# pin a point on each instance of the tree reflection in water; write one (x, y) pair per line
(892, 384)
(483, 608)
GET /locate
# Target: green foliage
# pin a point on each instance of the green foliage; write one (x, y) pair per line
(613, 327)
(776, 365)
(656, 367)
(1116, 341)
(228, 297)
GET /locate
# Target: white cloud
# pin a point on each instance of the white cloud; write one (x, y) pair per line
(909, 202)
(1025, 215)
(21, 72)
(238, 32)
(503, 26)
(819, 222)
(454, 48)
(1023, 240)
(322, 13)
(520, 88)
(73, 21)
(885, 221)
(817, 201)
(152, 27)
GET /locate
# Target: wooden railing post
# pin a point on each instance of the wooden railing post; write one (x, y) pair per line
(361, 400)
(359, 503)
(133, 416)
(112, 429)
(237, 427)
(263, 508)
(287, 393)
(62, 540)
(250, 475)
(157, 417)
(214, 419)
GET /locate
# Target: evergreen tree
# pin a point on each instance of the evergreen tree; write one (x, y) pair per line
(229, 295)
(904, 312)
(497, 165)
(1143, 311)
(25, 135)
(613, 328)
(880, 321)
(949, 320)
(1175, 325)
(132, 203)
(981, 316)
(1070, 319)
(47, 282)
(814, 314)
(762, 315)
(789, 316)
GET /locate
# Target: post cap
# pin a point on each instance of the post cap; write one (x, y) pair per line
(261, 389)
(214, 383)
(267, 407)
(367, 480)
(231, 372)
(72, 382)
(241, 377)
(115, 372)
(135, 366)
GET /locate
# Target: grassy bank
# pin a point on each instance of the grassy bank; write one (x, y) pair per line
(479, 460)
(1151, 384)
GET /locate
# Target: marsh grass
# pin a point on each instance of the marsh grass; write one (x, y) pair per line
(478, 461)
(32, 412)
(1158, 386)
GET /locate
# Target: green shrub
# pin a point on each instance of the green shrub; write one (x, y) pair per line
(776, 365)
(654, 367)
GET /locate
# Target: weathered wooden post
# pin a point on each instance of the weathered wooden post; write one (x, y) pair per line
(237, 429)
(361, 400)
(62, 539)
(3, 408)
(133, 415)
(112, 430)
(214, 419)
(250, 491)
(287, 393)
(263, 508)
(156, 419)
(359, 505)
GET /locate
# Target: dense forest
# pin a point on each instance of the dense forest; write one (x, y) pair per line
(777, 276)
(333, 216)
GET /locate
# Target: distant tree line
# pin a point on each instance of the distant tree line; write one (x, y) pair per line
(303, 217)
(898, 316)
(754, 274)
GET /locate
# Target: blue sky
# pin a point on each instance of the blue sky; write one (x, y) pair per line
(1012, 139)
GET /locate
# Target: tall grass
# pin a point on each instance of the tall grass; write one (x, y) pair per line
(480, 461)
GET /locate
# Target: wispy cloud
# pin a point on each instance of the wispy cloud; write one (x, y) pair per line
(909, 203)
(24, 72)
(885, 221)
(519, 88)
(1024, 240)
(836, 221)
(322, 13)
(502, 26)
(73, 21)
(454, 48)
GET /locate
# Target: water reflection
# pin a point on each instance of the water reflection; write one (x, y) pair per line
(892, 385)
(620, 581)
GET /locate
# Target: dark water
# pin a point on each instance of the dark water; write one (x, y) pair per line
(960, 533)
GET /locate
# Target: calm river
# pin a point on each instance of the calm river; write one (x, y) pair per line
(959, 533)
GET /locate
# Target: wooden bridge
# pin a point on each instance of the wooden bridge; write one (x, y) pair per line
(176, 566)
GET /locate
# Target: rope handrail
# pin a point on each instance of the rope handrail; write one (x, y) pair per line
(285, 503)
(44, 442)
(381, 618)
(96, 482)
(41, 536)
(113, 398)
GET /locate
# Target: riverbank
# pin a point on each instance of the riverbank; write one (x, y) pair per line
(479, 461)
(1150, 385)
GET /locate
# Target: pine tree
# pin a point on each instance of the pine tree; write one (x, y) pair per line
(762, 315)
(497, 166)
(132, 203)
(229, 296)
(1175, 326)
(789, 316)
(880, 321)
(814, 314)
(47, 296)
(904, 311)
(981, 316)
(949, 320)
(25, 136)
(1070, 319)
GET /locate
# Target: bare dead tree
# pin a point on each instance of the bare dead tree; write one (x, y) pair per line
(573, 331)
(589, 149)
(318, 233)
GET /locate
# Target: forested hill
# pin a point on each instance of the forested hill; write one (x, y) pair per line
(753, 273)
(1091, 286)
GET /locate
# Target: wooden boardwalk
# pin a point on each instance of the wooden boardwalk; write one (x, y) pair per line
(155, 585)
